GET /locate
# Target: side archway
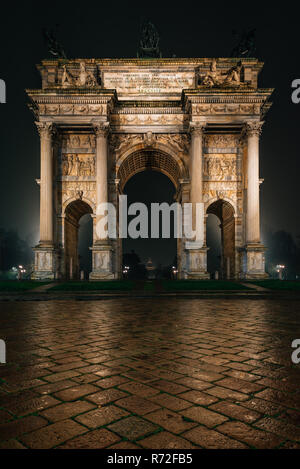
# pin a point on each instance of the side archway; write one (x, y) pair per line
(74, 211)
(225, 213)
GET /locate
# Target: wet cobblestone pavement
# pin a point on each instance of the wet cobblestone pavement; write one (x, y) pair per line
(150, 373)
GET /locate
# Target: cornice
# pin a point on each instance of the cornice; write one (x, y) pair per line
(196, 61)
(76, 92)
(68, 100)
(205, 92)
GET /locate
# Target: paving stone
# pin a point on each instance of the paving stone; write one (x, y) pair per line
(264, 407)
(124, 445)
(225, 393)
(95, 439)
(194, 383)
(165, 440)
(107, 383)
(240, 385)
(50, 388)
(66, 410)
(76, 392)
(11, 444)
(290, 445)
(86, 379)
(61, 376)
(170, 402)
(279, 427)
(139, 389)
(277, 396)
(53, 435)
(5, 416)
(133, 428)
(105, 397)
(211, 439)
(168, 386)
(203, 416)
(32, 405)
(17, 427)
(249, 435)
(236, 412)
(100, 417)
(199, 398)
(138, 405)
(171, 421)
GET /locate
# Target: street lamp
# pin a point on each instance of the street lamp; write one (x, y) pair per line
(174, 271)
(280, 268)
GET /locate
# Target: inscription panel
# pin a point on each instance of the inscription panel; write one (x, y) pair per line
(148, 82)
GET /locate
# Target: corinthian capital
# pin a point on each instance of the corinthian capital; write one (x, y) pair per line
(45, 129)
(196, 128)
(253, 128)
(101, 129)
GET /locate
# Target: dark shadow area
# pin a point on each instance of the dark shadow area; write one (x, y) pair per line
(85, 241)
(213, 241)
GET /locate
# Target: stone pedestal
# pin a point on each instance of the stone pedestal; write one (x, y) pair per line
(254, 261)
(102, 262)
(44, 263)
(197, 264)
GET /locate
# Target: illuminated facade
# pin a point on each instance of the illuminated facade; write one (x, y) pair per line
(196, 120)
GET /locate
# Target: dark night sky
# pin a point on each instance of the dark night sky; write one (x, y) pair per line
(111, 29)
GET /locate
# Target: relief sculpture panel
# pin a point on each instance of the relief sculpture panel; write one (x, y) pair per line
(80, 166)
(220, 168)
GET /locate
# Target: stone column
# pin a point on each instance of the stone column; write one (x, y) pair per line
(44, 252)
(102, 249)
(196, 166)
(101, 131)
(253, 131)
(46, 196)
(196, 250)
(254, 250)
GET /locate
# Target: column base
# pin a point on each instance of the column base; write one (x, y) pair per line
(44, 263)
(102, 262)
(197, 264)
(254, 262)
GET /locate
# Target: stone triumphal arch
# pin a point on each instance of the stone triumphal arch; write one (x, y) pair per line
(198, 121)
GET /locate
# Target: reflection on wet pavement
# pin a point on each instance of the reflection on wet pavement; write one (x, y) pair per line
(150, 373)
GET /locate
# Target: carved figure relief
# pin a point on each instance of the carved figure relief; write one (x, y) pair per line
(44, 261)
(216, 78)
(79, 141)
(102, 260)
(74, 165)
(221, 141)
(220, 168)
(67, 79)
(84, 79)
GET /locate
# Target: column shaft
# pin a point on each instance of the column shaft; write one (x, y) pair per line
(46, 184)
(196, 168)
(253, 216)
(101, 131)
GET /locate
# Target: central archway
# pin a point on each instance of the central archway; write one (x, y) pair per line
(172, 172)
(153, 160)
